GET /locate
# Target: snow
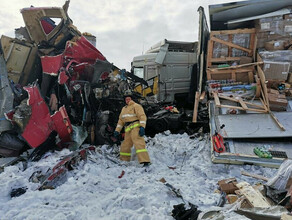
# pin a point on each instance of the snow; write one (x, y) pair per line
(94, 191)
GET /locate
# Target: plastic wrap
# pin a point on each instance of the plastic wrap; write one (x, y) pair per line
(272, 24)
(242, 40)
(280, 181)
(277, 56)
(220, 50)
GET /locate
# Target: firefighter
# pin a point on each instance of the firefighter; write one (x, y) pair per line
(133, 118)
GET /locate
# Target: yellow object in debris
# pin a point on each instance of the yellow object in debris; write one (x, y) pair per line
(232, 198)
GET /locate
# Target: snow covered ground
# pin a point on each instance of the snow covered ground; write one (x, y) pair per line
(94, 191)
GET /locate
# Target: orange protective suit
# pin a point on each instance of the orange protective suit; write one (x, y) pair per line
(133, 117)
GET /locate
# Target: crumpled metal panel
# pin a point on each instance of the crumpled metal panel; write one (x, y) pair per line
(33, 16)
(40, 124)
(78, 54)
(62, 124)
(52, 64)
(6, 97)
(82, 50)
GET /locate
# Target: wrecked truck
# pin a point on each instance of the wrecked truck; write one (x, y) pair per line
(54, 84)
(170, 70)
(59, 90)
(245, 70)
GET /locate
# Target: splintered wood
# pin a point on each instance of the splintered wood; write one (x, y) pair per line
(253, 196)
(245, 106)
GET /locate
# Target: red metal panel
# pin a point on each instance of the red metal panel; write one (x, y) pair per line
(52, 64)
(62, 124)
(40, 124)
(82, 51)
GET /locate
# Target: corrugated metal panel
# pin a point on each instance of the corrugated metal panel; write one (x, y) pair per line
(221, 13)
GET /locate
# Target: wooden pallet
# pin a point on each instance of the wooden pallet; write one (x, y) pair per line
(245, 106)
(250, 50)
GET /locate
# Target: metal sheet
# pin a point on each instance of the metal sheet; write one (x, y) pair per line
(254, 125)
(246, 147)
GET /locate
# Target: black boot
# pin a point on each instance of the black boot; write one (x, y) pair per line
(146, 164)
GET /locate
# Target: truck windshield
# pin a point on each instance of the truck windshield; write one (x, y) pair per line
(139, 71)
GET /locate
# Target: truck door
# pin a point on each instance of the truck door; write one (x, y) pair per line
(201, 57)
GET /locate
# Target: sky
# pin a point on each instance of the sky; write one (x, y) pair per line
(123, 28)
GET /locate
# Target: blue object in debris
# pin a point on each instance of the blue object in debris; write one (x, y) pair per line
(123, 74)
(230, 88)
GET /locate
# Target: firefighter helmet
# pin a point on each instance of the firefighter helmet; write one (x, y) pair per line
(128, 93)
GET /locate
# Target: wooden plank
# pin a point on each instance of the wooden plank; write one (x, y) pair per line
(238, 66)
(210, 53)
(233, 75)
(277, 121)
(262, 93)
(218, 70)
(236, 31)
(243, 105)
(230, 38)
(250, 77)
(202, 56)
(254, 197)
(196, 105)
(228, 98)
(251, 44)
(263, 83)
(202, 96)
(209, 76)
(256, 105)
(216, 98)
(286, 216)
(237, 100)
(224, 59)
(240, 108)
(256, 176)
(229, 44)
(262, 101)
(259, 88)
(255, 47)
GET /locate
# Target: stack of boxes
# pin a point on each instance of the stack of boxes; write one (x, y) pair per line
(274, 43)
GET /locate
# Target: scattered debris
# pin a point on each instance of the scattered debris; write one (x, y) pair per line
(179, 212)
(122, 174)
(254, 176)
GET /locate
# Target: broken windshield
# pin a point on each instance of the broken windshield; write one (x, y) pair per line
(139, 71)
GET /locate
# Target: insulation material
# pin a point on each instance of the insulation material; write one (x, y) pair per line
(280, 181)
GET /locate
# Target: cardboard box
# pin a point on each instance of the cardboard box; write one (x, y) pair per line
(289, 80)
(245, 60)
(275, 45)
(276, 70)
(287, 17)
(277, 96)
(287, 27)
(228, 185)
(277, 102)
(273, 91)
(273, 24)
(289, 183)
